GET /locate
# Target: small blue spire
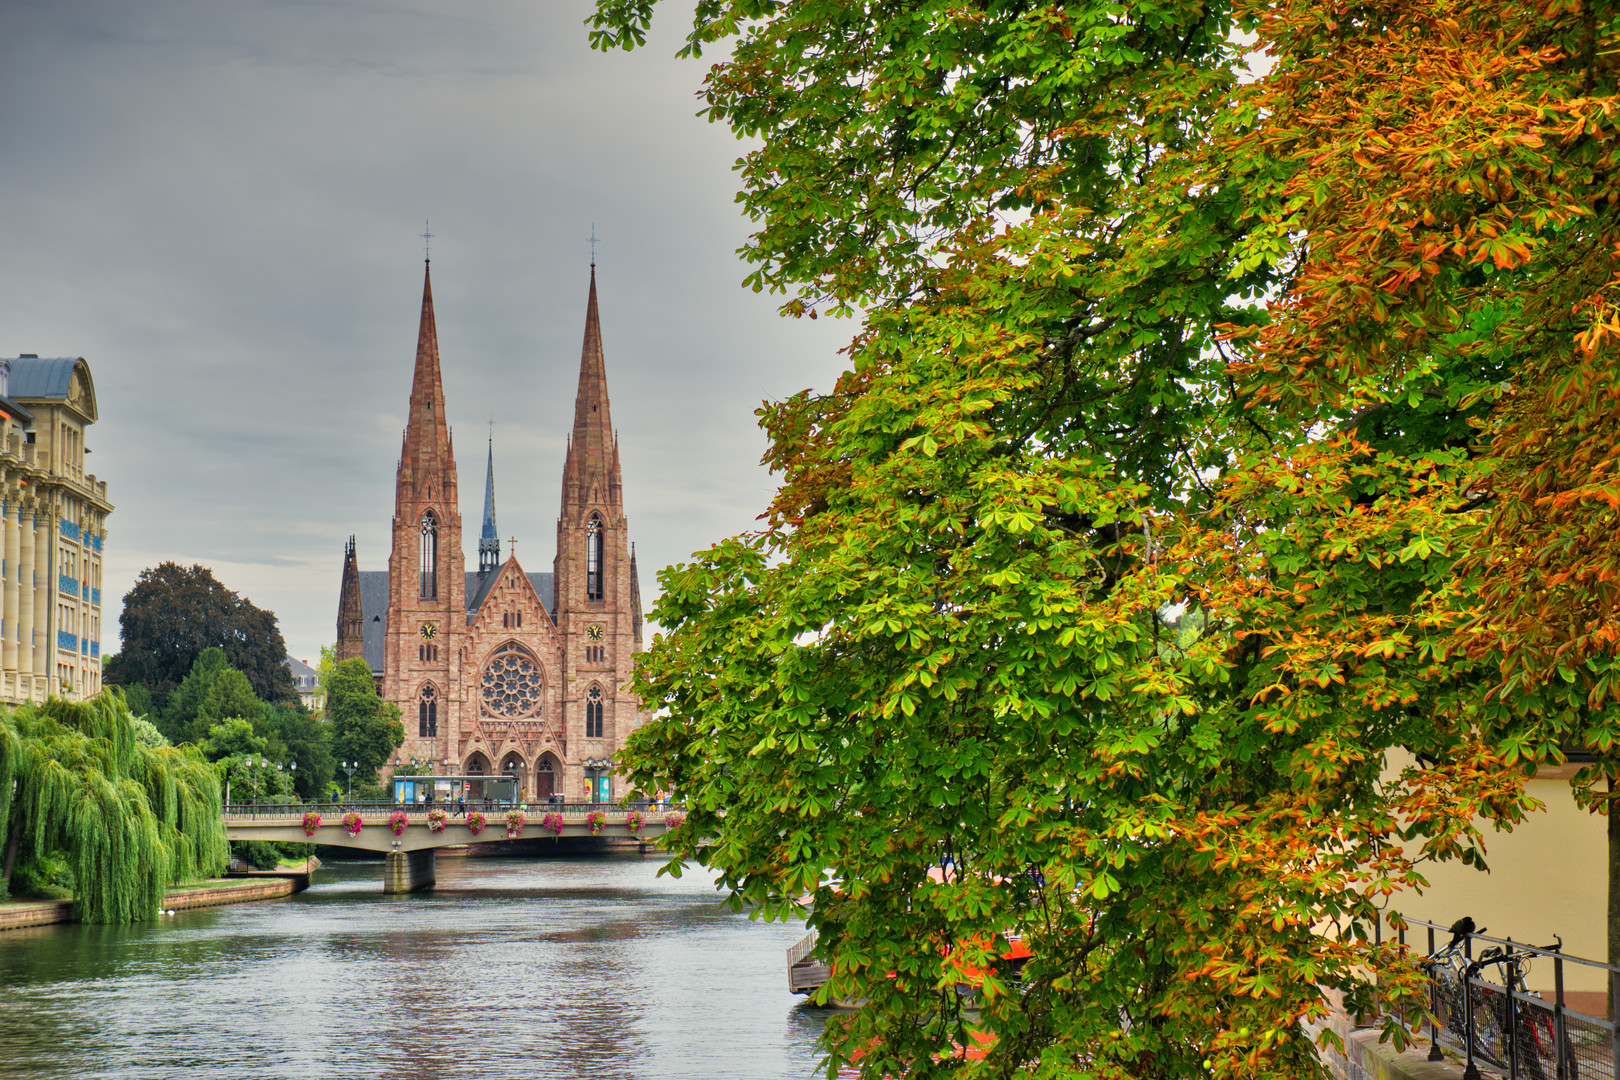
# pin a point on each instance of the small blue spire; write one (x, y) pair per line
(489, 541)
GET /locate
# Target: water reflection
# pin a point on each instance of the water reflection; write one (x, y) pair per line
(582, 967)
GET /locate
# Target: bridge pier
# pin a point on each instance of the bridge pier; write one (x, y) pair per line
(408, 871)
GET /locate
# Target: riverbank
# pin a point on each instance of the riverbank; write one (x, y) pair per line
(15, 914)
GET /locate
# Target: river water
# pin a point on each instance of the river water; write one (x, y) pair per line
(559, 967)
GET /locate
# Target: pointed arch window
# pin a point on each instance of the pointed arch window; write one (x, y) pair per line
(430, 556)
(593, 558)
(427, 712)
(593, 712)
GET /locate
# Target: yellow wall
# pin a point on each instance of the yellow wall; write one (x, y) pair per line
(1548, 876)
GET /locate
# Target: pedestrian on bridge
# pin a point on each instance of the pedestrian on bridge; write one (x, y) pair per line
(461, 805)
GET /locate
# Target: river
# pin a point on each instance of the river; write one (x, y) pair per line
(559, 967)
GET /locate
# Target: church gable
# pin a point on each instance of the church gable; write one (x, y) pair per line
(513, 671)
(510, 605)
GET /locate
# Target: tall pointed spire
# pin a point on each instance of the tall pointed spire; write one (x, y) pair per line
(350, 620)
(427, 467)
(426, 613)
(489, 541)
(591, 471)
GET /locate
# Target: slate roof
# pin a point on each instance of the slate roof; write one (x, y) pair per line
(48, 377)
(304, 676)
(374, 607)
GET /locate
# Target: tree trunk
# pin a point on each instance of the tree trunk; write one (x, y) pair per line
(1614, 888)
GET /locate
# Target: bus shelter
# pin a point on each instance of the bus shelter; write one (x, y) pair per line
(412, 790)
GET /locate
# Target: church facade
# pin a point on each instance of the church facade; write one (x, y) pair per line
(498, 670)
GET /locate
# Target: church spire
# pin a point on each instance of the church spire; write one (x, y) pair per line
(591, 471)
(427, 466)
(350, 620)
(489, 541)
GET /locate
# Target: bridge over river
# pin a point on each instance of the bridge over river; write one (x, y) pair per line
(408, 847)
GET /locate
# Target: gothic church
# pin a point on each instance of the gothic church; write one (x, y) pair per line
(502, 671)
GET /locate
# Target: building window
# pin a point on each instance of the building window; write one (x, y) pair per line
(593, 558)
(427, 712)
(511, 685)
(593, 712)
(430, 557)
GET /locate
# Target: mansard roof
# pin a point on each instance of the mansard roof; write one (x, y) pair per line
(374, 607)
(51, 379)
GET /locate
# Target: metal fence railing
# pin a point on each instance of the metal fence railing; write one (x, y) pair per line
(1482, 1008)
(265, 808)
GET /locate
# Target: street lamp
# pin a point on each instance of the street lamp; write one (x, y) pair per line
(349, 767)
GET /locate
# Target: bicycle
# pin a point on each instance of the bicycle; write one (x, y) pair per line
(1448, 970)
(1532, 1037)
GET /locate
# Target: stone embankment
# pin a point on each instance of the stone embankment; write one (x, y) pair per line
(20, 913)
(1366, 1058)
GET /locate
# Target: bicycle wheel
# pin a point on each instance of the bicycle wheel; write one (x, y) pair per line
(1490, 1012)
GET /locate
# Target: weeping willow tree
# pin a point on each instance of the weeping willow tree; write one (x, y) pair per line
(78, 782)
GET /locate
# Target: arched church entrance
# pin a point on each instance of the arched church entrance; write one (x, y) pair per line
(547, 778)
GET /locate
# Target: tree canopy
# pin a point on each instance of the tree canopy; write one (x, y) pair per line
(308, 742)
(1141, 331)
(365, 728)
(174, 613)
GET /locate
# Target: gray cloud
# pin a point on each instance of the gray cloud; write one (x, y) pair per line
(217, 205)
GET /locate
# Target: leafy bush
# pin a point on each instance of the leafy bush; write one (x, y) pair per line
(44, 877)
(259, 854)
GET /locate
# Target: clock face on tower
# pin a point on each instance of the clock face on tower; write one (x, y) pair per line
(594, 633)
(429, 631)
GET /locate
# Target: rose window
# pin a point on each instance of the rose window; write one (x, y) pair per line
(511, 684)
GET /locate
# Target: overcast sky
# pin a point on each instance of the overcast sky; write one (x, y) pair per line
(218, 204)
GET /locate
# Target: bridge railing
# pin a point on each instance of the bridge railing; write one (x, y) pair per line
(419, 811)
